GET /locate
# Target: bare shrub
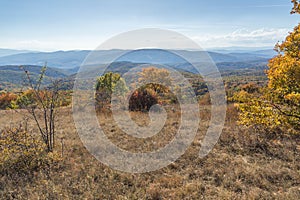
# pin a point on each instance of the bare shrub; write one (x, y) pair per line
(42, 100)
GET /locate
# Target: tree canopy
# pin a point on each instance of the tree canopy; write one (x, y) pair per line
(277, 106)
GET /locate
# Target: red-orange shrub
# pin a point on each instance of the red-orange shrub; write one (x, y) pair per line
(6, 99)
(142, 100)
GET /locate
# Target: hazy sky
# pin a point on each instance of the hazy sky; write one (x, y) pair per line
(85, 24)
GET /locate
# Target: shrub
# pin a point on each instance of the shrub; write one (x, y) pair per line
(45, 100)
(250, 87)
(106, 85)
(6, 99)
(21, 152)
(29, 98)
(142, 99)
(24, 100)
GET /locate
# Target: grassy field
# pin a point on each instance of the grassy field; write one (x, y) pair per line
(245, 164)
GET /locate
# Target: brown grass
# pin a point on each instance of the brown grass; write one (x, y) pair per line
(245, 164)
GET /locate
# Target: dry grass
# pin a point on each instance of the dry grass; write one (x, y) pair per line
(245, 164)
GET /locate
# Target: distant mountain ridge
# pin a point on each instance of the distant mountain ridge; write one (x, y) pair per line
(58, 59)
(65, 64)
(73, 59)
(8, 52)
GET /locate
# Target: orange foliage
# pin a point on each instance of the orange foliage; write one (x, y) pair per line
(6, 99)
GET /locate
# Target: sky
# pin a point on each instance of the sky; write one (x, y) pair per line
(48, 25)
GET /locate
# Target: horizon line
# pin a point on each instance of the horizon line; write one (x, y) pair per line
(218, 48)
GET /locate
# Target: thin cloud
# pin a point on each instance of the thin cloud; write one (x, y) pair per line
(244, 37)
(240, 37)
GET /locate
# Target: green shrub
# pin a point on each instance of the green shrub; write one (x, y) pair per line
(106, 85)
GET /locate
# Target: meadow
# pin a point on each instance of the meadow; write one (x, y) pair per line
(245, 164)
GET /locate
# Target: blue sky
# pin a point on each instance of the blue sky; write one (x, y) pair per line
(73, 24)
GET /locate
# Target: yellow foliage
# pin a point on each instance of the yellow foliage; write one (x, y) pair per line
(293, 97)
(157, 79)
(277, 106)
(296, 8)
(22, 152)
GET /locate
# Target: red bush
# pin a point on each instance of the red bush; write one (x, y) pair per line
(142, 100)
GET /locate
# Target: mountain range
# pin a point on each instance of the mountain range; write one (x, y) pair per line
(65, 63)
(73, 59)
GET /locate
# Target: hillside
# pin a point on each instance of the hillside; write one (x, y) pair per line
(12, 76)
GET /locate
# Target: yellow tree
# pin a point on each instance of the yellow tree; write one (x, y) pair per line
(277, 106)
(153, 76)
